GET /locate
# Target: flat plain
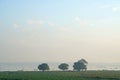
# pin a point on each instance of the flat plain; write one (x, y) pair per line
(60, 75)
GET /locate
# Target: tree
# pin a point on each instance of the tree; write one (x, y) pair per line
(43, 67)
(80, 65)
(83, 61)
(63, 66)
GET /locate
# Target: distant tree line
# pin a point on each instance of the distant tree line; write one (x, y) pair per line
(80, 65)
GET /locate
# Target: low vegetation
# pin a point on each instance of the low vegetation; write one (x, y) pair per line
(60, 75)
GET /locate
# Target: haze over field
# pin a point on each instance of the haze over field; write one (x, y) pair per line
(59, 30)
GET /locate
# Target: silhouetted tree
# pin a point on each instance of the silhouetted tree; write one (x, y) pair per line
(63, 66)
(43, 67)
(83, 61)
(80, 65)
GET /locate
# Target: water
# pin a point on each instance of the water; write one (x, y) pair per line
(54, 66)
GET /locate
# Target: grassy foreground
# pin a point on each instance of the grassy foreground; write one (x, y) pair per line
(59, 75)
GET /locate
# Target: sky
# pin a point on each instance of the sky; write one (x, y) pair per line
(59, 30)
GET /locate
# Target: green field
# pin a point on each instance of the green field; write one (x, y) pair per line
(59, 75)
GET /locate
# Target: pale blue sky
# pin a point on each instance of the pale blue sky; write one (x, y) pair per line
(59, 30)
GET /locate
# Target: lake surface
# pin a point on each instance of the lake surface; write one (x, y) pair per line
(54, 66)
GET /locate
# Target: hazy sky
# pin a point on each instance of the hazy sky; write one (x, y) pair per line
(59, 30)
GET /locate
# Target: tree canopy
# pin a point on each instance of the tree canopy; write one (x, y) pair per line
(80, 65)
(83, 61)
(63, 66)
(43, 67)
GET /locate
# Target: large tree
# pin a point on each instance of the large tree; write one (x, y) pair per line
(43, 67)
(80, 65)
(63, 66)
(83, 61)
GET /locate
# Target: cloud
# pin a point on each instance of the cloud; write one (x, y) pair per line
(51, 24)
(15, 25)
(39, 22)
(35, 22)
(77, 19)
(105, 6)
(65, 29)
(30, 22)
(92, 25)
(115, 9)
(81, 21)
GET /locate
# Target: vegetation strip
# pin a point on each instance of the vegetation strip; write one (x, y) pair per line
(60, 75)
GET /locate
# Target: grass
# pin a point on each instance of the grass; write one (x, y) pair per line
(59, 75)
